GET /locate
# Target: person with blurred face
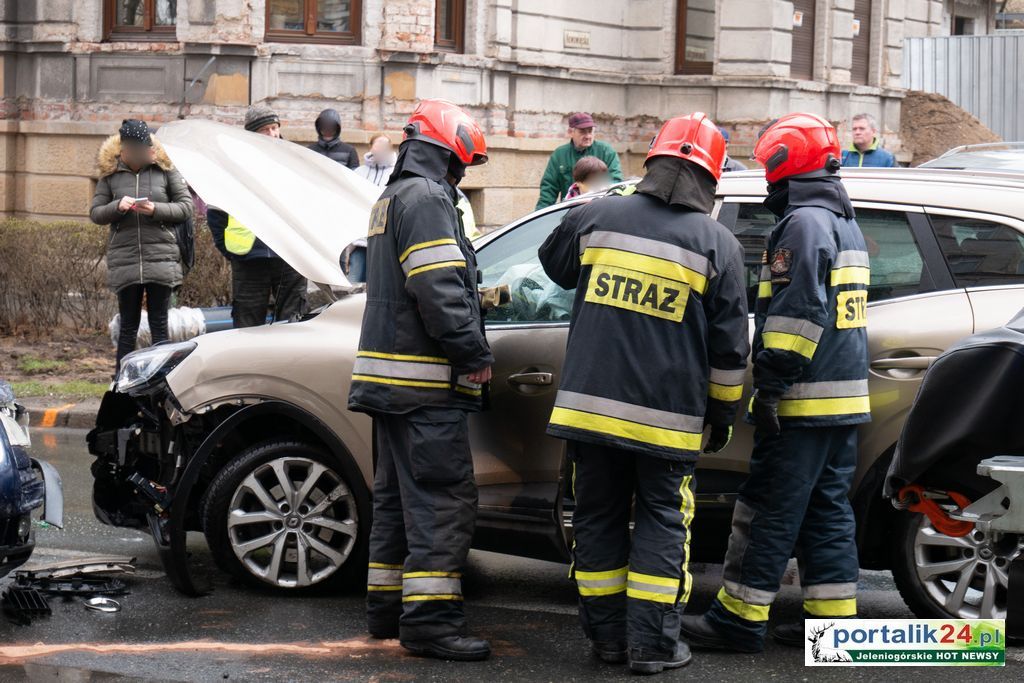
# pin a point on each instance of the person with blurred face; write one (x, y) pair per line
(379, 162)
(557, 179)
(866, 149)
(258, 274)
(590, 175)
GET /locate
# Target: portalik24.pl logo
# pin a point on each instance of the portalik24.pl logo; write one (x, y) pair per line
(905, 642)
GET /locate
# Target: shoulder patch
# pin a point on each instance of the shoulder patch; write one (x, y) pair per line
(781, 261)
(379, 217)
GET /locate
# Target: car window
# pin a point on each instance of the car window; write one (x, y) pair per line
(980, 253)
(512, 260)
(896, 262)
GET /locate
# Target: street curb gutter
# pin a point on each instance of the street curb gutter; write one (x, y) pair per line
(70, 415)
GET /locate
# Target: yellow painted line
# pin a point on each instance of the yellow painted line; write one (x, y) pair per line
(50, 416)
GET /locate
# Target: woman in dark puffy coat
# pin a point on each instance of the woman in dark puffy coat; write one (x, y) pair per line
(142, 198)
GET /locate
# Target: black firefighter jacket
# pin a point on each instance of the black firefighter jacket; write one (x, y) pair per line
(422, 330)
(810, 335)
(658, 340)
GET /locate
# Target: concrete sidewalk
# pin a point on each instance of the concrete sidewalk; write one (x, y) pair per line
(46, 412)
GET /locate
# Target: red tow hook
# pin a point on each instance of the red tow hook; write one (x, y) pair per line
(939, 518)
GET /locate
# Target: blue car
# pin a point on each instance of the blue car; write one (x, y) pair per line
(25, 485)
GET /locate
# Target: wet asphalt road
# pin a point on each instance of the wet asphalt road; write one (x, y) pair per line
(525, 607)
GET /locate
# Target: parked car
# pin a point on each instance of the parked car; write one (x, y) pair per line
(244, 435)
(989, 156)
(26, 484)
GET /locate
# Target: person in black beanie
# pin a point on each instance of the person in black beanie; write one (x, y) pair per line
(328, 143)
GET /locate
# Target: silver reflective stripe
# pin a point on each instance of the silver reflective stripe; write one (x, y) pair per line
(601, 583)
(841, 389)
(727, 377)
(830, 591)
(603, 239)
(463, 382)
(384, 577)
(432, 585)
(804, 328)
(628, 411)
(751, 596)
(639, 585)
(431, 372)
(851, 259)
(425, 257)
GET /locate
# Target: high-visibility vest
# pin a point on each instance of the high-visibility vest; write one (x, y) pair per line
(237, 238)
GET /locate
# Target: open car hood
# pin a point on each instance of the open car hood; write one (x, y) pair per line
(304, 206)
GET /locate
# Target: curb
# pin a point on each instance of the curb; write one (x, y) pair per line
(69, 415)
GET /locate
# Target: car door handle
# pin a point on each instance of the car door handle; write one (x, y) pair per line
(904, 363)
(531, 378)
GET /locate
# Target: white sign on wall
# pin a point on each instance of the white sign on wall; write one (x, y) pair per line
(576, 40)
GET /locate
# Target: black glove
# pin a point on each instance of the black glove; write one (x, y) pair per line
(719, 438)
(765, 409)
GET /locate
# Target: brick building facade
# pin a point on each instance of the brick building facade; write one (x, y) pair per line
(70, 70)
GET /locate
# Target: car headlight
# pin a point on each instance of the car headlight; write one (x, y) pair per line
(142, 368)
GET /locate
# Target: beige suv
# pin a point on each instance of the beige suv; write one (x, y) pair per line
(244, 435)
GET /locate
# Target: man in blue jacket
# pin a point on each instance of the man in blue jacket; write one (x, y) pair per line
(866, 149)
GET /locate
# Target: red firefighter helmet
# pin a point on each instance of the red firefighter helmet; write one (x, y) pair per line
(692, 137)
(446, 125)
(798, 145)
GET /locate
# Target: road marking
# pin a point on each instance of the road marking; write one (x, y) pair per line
(50, 416)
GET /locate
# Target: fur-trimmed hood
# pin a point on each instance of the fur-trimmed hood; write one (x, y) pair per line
(110, 155)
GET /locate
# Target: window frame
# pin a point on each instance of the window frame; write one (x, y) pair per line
(149, 30)
(1009, 222)
(684, 66)
(310, 34)
(457, 43)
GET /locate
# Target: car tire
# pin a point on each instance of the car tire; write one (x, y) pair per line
(939, 576)
(295, 540)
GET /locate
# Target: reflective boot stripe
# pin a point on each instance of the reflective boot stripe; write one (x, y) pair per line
(627, 421)
(726, 385)
(593, 584)
(384, 577)
(830, 591)
(653, 588)
(417, 586)
(831, 608)
(688, 508)
(743, 610)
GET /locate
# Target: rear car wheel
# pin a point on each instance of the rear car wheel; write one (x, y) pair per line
(942, 576)
(281, 514)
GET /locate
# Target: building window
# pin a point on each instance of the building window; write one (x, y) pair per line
(140, 19)
(449, 24)
(963, 26)
(695, 36)
(802, 64)
(314, 21)
(861, 41)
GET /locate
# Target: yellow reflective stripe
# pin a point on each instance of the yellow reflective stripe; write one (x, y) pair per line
(651, 265)
(383, 588)
(424, 575)
(650, 595)
(742, 609)
(600, 576)
(723, 392)
(851, 275)
(424, 245)
(666, 581)
(687, 508)
(400, 356)
(613, 426)
(764, 289)
(379, 565)
(435, 266)
(789, 342)
(471, 392)
(810, 407)
(401, 382)
(831, 608)
(420, 598)
(601, 590)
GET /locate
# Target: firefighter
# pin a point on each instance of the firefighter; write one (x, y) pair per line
(811, 391)
(657, 350)
(420, 368)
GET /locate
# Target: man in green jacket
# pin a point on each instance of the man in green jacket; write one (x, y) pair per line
(558, 174)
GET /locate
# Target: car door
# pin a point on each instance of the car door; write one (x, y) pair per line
(985, 255)
(914, 313)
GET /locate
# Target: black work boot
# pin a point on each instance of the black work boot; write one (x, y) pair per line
(452, 648)
(791, 634)
(643, 661)
(609, 651)
(701, 634)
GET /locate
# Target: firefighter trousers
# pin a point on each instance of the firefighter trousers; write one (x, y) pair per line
(424, 511)
(795, 500)
(631, 591)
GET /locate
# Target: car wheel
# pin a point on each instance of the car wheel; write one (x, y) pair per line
(282, 515)
(942, 576)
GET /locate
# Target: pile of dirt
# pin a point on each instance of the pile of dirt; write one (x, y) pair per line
(930, 124)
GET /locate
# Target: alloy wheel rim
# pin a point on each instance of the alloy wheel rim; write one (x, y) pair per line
(292, 522)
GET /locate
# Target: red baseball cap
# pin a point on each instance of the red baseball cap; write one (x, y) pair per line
(581, 120)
